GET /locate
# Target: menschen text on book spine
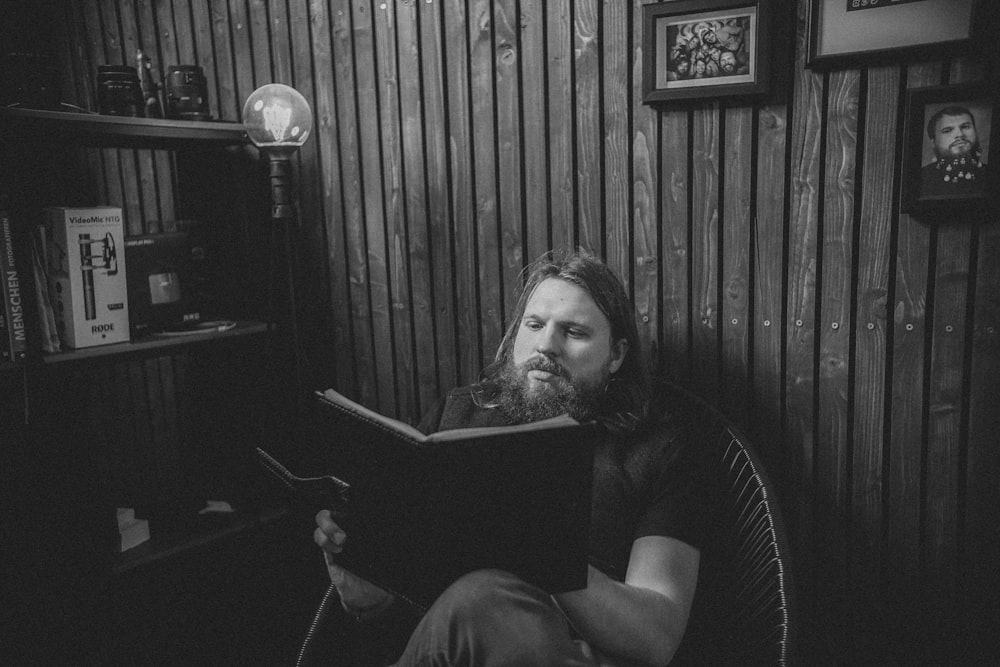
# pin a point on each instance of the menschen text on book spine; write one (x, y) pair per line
(17, 338)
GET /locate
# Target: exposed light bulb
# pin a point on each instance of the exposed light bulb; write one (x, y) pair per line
(277, 115)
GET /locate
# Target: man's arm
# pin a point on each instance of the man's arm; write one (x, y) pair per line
(642, 619)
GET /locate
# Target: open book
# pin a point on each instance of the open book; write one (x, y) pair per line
(421, 510)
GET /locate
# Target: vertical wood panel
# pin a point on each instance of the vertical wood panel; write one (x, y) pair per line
(644, 279)
(203, 26)
(587, 105)
(162, 169)
(534, 105)
(348, 110)
(510, 176)
(328, 128)
(800, 285)
(559, 71)
(415, 188)
(870, 326)
(243, 56)
(370, 110)
(905, 502)
(735, 304)
(396, 242)
(705, 260)
(436, 162)
(228, 103)
(834, 327)
(675, 343)
(617, 62)
(145, 165)
(980, 542)
(769, 231)
(456, 59)
(484, 141)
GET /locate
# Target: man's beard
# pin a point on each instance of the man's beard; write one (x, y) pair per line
(564, 395)
(970, 149)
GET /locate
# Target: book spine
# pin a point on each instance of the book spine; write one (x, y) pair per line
(17, 340)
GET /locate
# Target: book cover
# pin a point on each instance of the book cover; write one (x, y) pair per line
(10, 281)
(422, 510)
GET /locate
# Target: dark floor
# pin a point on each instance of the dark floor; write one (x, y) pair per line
(244, 600)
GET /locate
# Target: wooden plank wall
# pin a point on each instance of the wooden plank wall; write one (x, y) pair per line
(771, 268)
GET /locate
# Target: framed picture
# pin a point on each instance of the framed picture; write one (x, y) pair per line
(949, 161)
(846, 33)
(704, 48)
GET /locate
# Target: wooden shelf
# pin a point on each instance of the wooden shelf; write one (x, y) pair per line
(164, 543)
(155, 343)
(97, 130)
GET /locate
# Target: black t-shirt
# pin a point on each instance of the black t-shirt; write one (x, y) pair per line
(648, 482)
(653, 481)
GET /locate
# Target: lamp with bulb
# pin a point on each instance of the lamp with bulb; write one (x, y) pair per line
(278, 120)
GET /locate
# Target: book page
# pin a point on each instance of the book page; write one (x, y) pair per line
(400, 427)
(450, 435)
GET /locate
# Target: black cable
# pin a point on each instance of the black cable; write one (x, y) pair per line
(324, 606)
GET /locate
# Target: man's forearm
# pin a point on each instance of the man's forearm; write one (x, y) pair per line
(626, 621)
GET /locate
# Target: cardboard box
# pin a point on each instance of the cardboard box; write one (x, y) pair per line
(87, 274)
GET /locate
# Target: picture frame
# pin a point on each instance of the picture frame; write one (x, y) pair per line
(950, 163)
(856, 33)
(695, 49)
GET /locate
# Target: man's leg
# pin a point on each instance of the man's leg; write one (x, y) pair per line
(490, 618)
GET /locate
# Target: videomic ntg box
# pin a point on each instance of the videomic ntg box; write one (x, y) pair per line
(86, 274)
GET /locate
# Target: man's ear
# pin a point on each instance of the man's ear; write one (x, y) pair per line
(619, 349)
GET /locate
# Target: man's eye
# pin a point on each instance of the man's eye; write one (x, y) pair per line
(576, 333)
(532, 326)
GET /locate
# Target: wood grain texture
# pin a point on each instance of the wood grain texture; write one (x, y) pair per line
(457, 140)
(734, 304)
(587, 107)
(561, 121)
(871, 324)
(675, 359)
(352, 187)
(617, 60)
(644, 278)
(436, 162)
(834, 331)
(456, 59)
(909, 377)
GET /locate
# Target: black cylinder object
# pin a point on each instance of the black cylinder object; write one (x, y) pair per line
(118, 91)
(186, 93)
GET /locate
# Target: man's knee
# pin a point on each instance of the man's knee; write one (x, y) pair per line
(481, 593)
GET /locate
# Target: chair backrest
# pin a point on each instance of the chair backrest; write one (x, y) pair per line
(750, 572)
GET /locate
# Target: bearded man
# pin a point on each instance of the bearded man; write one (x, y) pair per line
(958, 168)
(572, 347)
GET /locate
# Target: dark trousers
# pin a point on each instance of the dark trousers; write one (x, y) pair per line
(491, 618)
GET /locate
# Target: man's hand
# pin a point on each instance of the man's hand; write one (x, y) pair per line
(357, 596)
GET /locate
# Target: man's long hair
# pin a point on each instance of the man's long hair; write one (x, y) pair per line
(626, 404)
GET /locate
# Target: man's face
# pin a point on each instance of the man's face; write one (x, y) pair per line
(564, 343)
(954, 136)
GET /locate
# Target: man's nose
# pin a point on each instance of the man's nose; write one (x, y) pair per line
(547, 342)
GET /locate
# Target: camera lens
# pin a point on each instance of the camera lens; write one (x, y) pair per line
(187, 93)
(118, 91)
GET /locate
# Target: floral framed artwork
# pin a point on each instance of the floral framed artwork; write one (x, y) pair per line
(704, 48)
(853, 33)
(948, 149)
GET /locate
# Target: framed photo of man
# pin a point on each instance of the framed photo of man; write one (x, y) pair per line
(947, 157)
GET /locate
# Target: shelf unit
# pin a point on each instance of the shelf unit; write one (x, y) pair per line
(42, 133)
